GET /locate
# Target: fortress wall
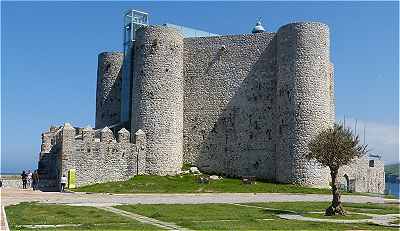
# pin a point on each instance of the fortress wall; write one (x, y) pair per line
(376, 177)
(303, 100)
(229, 87)
(49, 163)
(47, 138)
(95, 159)
(97, 162)
(66, 151)
(158, 97)
(108, 91)
(363, 177)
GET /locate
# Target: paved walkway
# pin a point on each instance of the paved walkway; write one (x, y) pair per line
(375, 218)
(3, 220)
(15, 196)
(146, 220)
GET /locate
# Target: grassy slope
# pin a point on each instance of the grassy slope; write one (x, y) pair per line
(188, 184)
(393, 169)
(33, 213)
(232, 217)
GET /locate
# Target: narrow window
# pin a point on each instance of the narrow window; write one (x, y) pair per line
(371, 163)
(107, 69)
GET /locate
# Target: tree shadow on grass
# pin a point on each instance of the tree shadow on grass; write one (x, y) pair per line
(278, 211)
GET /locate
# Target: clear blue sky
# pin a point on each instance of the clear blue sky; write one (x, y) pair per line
(49, 60)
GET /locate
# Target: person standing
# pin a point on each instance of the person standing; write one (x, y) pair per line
(24, 178)
(29, 179)
(35, 180)
(63, 182)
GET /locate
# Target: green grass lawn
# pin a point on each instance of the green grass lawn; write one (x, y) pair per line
(260, 216)
(302, 207)
(233, 217)
(188, 184)
(91, 218)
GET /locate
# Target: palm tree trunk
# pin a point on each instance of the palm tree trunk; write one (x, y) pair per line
(336, 206)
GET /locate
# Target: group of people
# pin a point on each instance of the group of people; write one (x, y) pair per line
(30, 179)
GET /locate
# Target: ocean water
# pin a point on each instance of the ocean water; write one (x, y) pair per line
(393, 189)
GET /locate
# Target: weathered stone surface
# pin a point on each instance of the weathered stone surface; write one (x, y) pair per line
(95, 160)
(124, 136)
(228, 104)
(303, 100)
(108, 93)
(158, 97)
(106, 135)
(214, 177)
(235, 105)
(251, 108)
(364, 175)
(194, 170)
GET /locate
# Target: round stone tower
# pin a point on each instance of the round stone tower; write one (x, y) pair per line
(158, 97)
(108, 93)
(304, 106)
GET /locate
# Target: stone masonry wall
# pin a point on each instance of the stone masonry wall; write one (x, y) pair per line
(108, 91)
(364, 177)
(303, 100)
(96, 155)
(230, 84)
(253, 102)
(158, 97)
(232, 105)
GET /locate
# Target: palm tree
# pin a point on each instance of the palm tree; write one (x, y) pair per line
(333, 148)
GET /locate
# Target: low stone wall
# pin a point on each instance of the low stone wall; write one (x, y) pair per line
(7, 183)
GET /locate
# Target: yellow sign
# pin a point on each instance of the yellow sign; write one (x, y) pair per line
(72, 178)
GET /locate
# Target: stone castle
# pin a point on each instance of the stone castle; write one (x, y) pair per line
(233, 105)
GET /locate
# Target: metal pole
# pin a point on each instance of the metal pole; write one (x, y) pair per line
(355, 128)
(344, 121)
(137, 160)
(364, 134)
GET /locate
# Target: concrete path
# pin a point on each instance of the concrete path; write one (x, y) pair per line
(15, 196)
(3, 220)
(384, 220)
(146, 220)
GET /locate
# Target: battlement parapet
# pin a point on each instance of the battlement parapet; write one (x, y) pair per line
(56, 135)
(96, 155)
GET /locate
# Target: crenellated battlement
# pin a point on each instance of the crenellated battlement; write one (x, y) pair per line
(98, 155)
(55, 135)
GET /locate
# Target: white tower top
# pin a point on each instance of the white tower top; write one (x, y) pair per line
(258, 27)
